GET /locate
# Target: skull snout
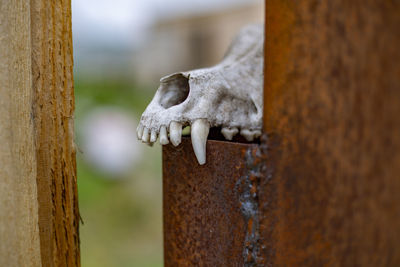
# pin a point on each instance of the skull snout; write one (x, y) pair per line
(227, 95)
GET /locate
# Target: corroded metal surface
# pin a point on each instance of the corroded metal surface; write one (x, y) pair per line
(211, 212)
(332, 114)
(327, 192)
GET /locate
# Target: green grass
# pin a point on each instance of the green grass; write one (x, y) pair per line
(122, 217)
(116, 92)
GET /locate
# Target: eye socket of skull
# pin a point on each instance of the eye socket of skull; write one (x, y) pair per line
(174, 90)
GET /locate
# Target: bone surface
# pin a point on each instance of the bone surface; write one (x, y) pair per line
(227, 95)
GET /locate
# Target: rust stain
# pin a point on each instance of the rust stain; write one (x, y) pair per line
(247, 190)
(211, 211)
(332, 95)
(321, 189)
(279, 22)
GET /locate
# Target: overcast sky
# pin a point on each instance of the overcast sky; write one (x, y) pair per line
(124, 22)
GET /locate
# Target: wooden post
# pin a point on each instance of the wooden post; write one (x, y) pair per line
(39, 216)
(19, 230)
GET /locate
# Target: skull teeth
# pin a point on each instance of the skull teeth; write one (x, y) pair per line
(229, 133)
(145, 136)
(249, 135)
(163, 135)
(175, 132)
(153, 136)
(139, 132)
(199, 133)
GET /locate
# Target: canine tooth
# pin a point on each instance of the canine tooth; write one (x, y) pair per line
(247, 134)
(200, 129)
(229, 133)
(153, 136)
(139, 132)
(163, 135)
(175, 132)
(145, 136)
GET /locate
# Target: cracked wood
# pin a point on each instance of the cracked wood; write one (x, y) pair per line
(38, 195)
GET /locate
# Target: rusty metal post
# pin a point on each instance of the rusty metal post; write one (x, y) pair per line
(331, 111)
(211, 211)
(323, 188)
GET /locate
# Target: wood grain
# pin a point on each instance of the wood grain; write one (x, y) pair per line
(52, 71)
(19, 232)
(39, 215)
(332, 106)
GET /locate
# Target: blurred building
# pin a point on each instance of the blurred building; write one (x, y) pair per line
(192, 41)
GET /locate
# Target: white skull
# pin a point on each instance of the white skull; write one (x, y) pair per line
(228, 95)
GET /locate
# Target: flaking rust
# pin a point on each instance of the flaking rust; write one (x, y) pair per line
(211, 212)
(247, 190)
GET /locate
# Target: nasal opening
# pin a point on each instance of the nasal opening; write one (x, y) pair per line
(174, 90)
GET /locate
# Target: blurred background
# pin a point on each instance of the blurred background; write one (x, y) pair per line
(121, 50)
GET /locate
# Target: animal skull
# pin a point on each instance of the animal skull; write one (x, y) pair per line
(228, 95)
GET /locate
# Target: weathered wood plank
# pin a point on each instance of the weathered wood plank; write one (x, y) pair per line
(19, 231)
(39, 215)
(52, 63)
(332, 105)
